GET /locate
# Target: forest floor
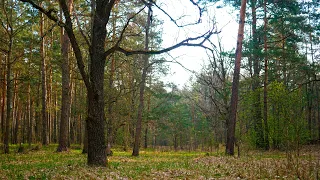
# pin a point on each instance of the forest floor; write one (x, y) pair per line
(152, 164)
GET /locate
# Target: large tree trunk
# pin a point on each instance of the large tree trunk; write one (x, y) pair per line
(137, 139)
(96, 119)
(231, 124)
(66, 95)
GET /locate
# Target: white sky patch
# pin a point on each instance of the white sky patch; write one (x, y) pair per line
(193, 58)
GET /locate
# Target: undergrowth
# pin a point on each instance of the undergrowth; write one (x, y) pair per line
(45, 163)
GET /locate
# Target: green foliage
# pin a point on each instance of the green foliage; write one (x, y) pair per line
(286, 118)
(287, 123)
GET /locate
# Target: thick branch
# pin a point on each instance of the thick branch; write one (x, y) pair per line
(48, 13)
(81, 31)
(68, 27)
(74, 43)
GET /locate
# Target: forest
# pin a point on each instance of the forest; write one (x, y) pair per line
(82, 93)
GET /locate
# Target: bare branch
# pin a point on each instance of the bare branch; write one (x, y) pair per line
(126, 25)
(185, 42)
(175, 20)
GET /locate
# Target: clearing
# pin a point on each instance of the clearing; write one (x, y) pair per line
(153, 164)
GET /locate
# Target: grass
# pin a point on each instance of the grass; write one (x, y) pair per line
(151, 164)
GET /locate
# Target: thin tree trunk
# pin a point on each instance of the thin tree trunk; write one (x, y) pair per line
(265, 90)
(136, 146)
(55, 121)
(146, 137)
(29, 115)
(148, 110)
(110, 94)
(15, 106)
(257, 115)
(45, 138)
(37, 117)
(318, 105)
(3, 103)
(49, 102)
(231, 124)
(9, 98)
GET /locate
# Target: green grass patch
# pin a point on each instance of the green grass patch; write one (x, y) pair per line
(48, 164)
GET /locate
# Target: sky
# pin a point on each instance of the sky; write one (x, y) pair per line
(193, 58)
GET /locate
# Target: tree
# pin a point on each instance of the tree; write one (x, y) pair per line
(265, 92)
(66, 94)
(231, 123)
(257, 116)
(137, 140)
(94, 80)
(44, 113)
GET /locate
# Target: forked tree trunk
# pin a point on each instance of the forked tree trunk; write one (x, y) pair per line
(96, 115)
(231, 124)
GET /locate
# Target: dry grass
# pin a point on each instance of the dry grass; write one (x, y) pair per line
(46, 164)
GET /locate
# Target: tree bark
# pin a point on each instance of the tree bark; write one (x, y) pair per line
(15, 113)
(96, 115)
(29, 114)
(3, 103)
(137, 139)
(85, 137)
(9, 98)
(66, 94)
(318, 105)
(231, 124)
(44, 115)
